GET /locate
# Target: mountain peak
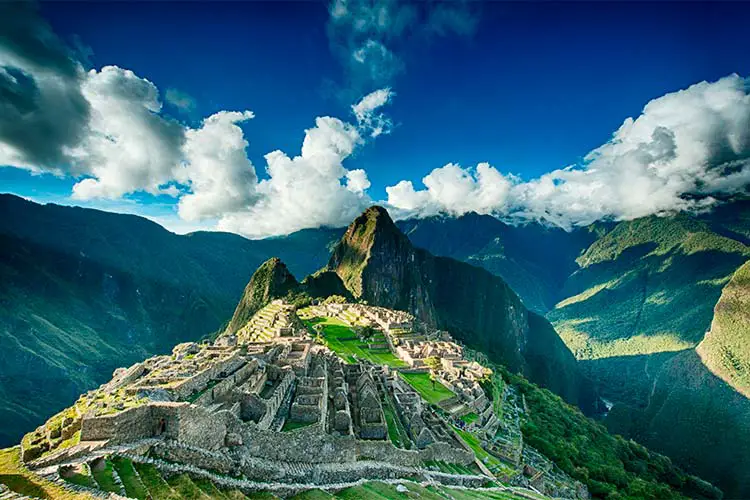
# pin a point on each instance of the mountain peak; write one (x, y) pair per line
(375, 219)
(271, 280)
(372, 233)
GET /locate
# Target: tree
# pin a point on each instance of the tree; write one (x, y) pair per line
(433, 363)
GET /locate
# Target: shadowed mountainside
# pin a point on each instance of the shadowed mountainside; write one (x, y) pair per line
(378, 263)
(83, 292)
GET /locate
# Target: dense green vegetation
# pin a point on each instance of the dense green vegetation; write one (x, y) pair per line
(611, 466)
(647, 286)
(270, 281)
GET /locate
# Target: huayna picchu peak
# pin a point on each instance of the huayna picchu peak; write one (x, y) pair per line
(357, 382)
(378, 264)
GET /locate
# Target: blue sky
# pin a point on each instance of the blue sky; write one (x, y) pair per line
(532, 88)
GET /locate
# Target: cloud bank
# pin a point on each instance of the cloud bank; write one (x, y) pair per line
(107, 128)
(682, 152)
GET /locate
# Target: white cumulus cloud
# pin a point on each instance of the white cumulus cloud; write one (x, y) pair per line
(130, 145)
(366, 112)
(217, 172)
(309, 190)
(684, 149)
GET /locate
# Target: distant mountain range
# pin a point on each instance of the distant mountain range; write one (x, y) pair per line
(83, 292)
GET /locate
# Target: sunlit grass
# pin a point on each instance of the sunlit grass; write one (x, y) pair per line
(432, 392)
(342, 340)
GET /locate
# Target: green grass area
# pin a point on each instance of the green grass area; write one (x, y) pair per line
(379, 491)
(313, 495)
(289, 425)
(186, 489)
(432, 392)
(262, 495)
(342, 340)
(451, 468)
(154, 483)
(104, 477)
(457, 494)
(134, 488)
(82, 478)
(470, 418)
(209, 488)
(492, 463)
(17, 477)
(396, 431)
(234, 494)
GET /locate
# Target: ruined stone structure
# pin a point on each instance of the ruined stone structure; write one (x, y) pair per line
(269, 402)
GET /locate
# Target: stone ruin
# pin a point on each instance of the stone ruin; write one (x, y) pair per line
(274, 398)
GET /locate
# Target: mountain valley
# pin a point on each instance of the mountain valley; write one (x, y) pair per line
(619, 309)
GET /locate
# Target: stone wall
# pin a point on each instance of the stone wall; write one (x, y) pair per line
(129, 425)
(309, 445)
(193, 425)
(212, 461)
(387, 452)
(198, 382)
(273, 402)
(199, 427)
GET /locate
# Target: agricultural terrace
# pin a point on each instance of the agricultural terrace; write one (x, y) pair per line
(18, 478)
(343, 340)
(432, 392)
(493, 463)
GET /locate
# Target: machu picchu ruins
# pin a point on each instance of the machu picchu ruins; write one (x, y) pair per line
(298, 399)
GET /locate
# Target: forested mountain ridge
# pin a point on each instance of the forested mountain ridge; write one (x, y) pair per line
(632, 300)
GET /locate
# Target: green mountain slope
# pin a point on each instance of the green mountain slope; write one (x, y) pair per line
(695, 418)
(378, 263)
(83, 292)
(725, 350)
(647, 286)
(271, 280)
(635, 300)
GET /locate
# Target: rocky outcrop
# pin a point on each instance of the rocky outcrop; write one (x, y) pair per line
(377, 263)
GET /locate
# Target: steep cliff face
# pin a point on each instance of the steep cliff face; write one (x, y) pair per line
(271, 280)
(378, 263)
(725, 349)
